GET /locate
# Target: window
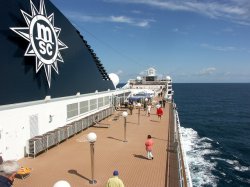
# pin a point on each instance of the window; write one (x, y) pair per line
(72, 110)
(93, 104)
(100, 102)
(84, 107)
(106, 100)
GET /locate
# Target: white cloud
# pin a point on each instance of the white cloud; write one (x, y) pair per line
(232, 10)
(121, 19)
(119, 72)
(219, 48)
(142, 24)
(131, 21)
(142, 73)
(114, 19)
(228, 30)
(206, 71)
(136, 11)
(237, 11)
(176, 30)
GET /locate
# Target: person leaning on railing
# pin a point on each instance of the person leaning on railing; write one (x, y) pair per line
(8, 170)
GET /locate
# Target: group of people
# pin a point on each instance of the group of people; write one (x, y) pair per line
(115, 181)
(159, 110)
(148, 106)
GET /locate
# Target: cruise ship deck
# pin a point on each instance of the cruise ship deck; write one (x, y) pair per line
(71, 159)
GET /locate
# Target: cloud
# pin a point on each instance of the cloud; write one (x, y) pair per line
(121, 19)
(142, 73)
(136, 11)
(176, 30)
(131, 21)
(228, 30)
(119, 72)
(237, 11)
(114, 19)
(206, 71)
(219, 48)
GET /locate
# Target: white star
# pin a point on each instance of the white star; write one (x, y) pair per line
(43, 37)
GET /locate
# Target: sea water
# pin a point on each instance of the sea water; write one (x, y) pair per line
(215, 120)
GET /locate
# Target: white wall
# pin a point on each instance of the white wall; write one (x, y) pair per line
(15, 120)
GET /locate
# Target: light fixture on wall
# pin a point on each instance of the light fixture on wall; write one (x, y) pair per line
(50, 118)
(47, 98)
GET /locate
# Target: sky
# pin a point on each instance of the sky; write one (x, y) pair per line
(193, 41)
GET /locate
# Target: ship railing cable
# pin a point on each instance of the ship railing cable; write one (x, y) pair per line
(184, 172)
(181, 174)
(167, 182)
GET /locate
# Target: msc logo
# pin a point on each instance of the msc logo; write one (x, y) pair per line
(43, 37)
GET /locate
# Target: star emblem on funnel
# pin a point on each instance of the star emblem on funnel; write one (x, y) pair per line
(43, 39)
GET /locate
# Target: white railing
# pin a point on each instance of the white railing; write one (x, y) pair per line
(49, 99)
(183, 168)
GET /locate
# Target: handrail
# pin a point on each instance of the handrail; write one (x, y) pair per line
(167, 164)
(50, 100)
(184, 172)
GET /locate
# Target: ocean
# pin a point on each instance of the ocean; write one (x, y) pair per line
(215, 120)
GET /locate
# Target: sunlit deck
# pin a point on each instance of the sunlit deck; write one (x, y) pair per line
(71, 160)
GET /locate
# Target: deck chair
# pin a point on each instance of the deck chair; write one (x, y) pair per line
(23, 172)
(100, 125)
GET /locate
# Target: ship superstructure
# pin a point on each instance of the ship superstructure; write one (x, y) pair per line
(51, 79)
(151, 84)
(53, 84)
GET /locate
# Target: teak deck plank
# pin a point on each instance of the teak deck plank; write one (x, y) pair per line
(70, 160)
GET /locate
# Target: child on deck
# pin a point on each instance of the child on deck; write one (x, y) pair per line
(149, 146)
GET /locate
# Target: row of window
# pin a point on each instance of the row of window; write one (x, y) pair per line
(76, 109)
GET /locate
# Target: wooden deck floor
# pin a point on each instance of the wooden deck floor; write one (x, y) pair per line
(70, 160)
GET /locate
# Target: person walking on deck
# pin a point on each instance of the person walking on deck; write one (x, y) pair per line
(149, 109)
(131, 107)
(159, 112)
(164, 103)
(149, 145)
(115, 181)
